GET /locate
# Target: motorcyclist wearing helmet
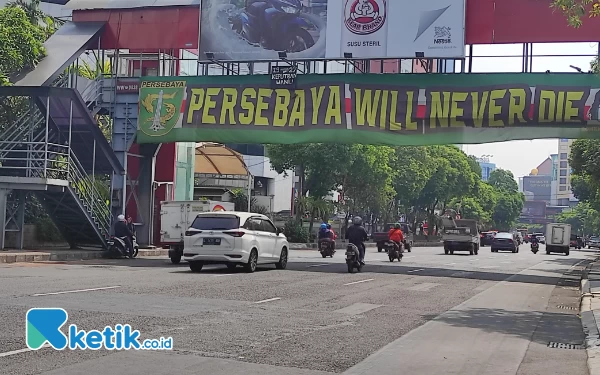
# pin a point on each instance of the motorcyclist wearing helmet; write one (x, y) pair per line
(122, 231)
(326, 235)
(395, 234)
(356, 234)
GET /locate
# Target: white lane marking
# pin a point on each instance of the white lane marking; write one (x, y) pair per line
(13, 352)
(357, 308)
(360, 281)
(268, 300)
(225, 274)
(474, 260)
(75, 291)
(423, 287)
(490, 267)
(506, 262)
(449, 264)
(410, 256)
(319, 265)
(420, 269)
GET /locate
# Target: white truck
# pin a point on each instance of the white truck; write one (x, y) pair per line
(177, 216)
(460, 235)
(558, 238)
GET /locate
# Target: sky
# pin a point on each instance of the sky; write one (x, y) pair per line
(521, 157)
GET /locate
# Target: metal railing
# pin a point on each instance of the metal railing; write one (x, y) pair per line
(49, 160)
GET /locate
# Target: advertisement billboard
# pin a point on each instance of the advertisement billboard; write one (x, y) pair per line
(538, 187)
(250, 30)
(533, 209)
(396, 109)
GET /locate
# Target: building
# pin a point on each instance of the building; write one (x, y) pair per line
(564, 195)
(486, 167)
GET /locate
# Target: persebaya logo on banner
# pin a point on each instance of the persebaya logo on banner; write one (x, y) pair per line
(160, 104)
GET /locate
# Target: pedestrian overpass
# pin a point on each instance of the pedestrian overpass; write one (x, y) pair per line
(51, 145)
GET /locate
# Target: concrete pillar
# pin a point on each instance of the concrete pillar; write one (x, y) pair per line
(3, 205)
(20, 218)
(146, 193)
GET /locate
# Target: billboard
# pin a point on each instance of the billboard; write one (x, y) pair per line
(533, 209)
(246, 30)
(398, 109)
(539, 187)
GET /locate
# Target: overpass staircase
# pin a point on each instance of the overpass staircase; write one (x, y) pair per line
(55, 150)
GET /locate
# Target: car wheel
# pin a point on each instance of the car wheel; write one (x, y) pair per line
(252, 261)
(379, 249)
(283, 258)
(175, 259)
(476, 249)
(567, 253)
(231, 266)
(196, 266)
(451, 252)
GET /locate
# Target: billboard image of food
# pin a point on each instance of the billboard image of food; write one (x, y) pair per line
(258, 30)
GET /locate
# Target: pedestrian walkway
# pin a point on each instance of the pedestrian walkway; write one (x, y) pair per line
(17, 256)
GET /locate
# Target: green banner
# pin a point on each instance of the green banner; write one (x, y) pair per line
(391, 109)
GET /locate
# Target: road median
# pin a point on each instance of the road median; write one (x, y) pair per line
(66, 255)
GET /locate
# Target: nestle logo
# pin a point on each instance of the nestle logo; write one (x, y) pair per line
(442, 41)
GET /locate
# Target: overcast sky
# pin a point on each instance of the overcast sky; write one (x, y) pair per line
(521, 157)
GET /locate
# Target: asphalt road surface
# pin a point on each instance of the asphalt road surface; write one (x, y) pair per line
(487, 314)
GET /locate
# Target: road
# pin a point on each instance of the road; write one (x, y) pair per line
(492, 313)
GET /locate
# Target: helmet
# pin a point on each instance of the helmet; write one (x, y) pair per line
(397, 226)
(357, 220)
(121, 217)
(328, 226)
(323, 226)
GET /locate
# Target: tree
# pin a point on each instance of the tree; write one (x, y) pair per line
(503, 180)
(583, 218)
(575, 10)
(321, 166)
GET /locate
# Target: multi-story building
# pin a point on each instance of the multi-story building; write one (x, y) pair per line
(564, 195)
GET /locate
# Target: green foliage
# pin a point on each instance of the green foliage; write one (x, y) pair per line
(295, 232)
(46, 231)
(21, 42)
(584, 219)
(575, 10)
(382, 182)
(240, 201)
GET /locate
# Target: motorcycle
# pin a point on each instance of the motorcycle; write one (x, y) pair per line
(117, 247)
(352, 258)
(274, 25)
(407, 245)
(326, 248)
(535, 247)
(394, 251)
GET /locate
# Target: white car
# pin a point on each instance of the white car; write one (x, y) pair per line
(541, 238)
(234, 238)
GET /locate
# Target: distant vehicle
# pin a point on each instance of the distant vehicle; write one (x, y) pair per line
(560, 238)
(382, 237)
(486, 238)
(576, 241)
(504, 241)
(540, 237)
(518, 237)
(594, 242)
(524, 235)
(460, 235)
(234, 238)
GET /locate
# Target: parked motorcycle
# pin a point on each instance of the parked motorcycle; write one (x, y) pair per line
(353, 258)
(326, 248)
(535, 247)
(274, 25)
(394, 251)
(407, 245)
(117, 247)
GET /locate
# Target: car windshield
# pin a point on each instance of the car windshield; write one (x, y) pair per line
(216, 222)
(504, 235)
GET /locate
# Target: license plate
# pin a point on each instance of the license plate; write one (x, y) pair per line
(211, 241)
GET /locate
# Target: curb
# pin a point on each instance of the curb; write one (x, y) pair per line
(589, 323)
(28, 257)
